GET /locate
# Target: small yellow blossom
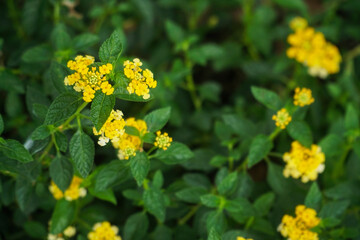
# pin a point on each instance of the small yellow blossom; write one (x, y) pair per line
(298, 23)
(112, 129)
(127, 144)
(310, 48)
(162, 140)
(303, 97)
(140, 81)
(87, 80)
(70, 231)
(304, 162)
(104, 231)
(241, 238)
(55, 236)
(299, 227)
(73, 192)
(282, 118)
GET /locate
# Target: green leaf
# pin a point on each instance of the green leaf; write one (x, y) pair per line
(175, 154)
(101, 107)
(331, 145)
(136, 226)
(139, 165)
(84, 41)
(62, 141)
(158, 179)
(40, 133)
(58, 72)
(300, 131)
(294, 4)
(114, 172)
(82, 151)
(111, 49)
(259, 148)
(216, 220)
(157, 119)
(241, 126)
(106, 195)
(60, 39)
(61, 172)
(264, 203)
(24, 194)
(240, 206)
(313, 197)
(35, 229)
(175, 33)
(334, 209)
(62, 216)
(277, 181)
(15, 150)
(214, 235)
(351, 118)
(154, 202)
(228, 184)
(197, 180)
(149, 137)
(41, 53)
(218, 160)
(191, 194)
(268, 98)
(210, 200)
(132, 131)
(62, 108)
(11, 82)
(1, 125)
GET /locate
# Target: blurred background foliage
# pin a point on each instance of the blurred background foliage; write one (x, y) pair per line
(205, 55)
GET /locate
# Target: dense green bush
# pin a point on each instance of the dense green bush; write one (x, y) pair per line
(224, 71)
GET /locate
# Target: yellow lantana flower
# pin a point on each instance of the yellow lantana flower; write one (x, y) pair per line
(241, 238)
(298, 23)
(304, 163)
(104, 231)
(162, 140)
(140, 81)
(282, 118)
(128, 144)
(299, 227)
(303, 97)
(73, 192)
(112, 129)
(87, 80)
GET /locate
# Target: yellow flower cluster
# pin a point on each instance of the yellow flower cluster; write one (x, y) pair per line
(88, 80)
(304, 162)
(129, 144)
(162, 140)
(311, 49)
(140, 81)
(72, 193)
(241, 238)
(68, 232)
(303, 97)
(104, 231)
(112, 129)
(298, 228)
(282, 118)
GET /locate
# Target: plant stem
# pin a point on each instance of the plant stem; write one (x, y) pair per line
(63, 126)
(274, 133)
(192, 211)
(46, 151)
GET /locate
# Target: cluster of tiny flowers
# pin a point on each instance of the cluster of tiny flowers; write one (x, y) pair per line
(140, 81)
(282, 118)
(241, 238)
(303, 97)
(73, 192)
(304, 162)
(129, 144)
(112, 129)
(311, 49)
(104, 231)
(298, 228)
(87, 80)
(68, 232)
(162, 140)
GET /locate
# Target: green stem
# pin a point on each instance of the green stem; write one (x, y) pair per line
(14, 16)
(66, 123)
(274, 133)
(55, 144)
(339, 167)
(46, 151)
(151, 150)
(275, 154)
(191, 85)
(231, 164)
(57, 12)
(84, 224)
(192, 211)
